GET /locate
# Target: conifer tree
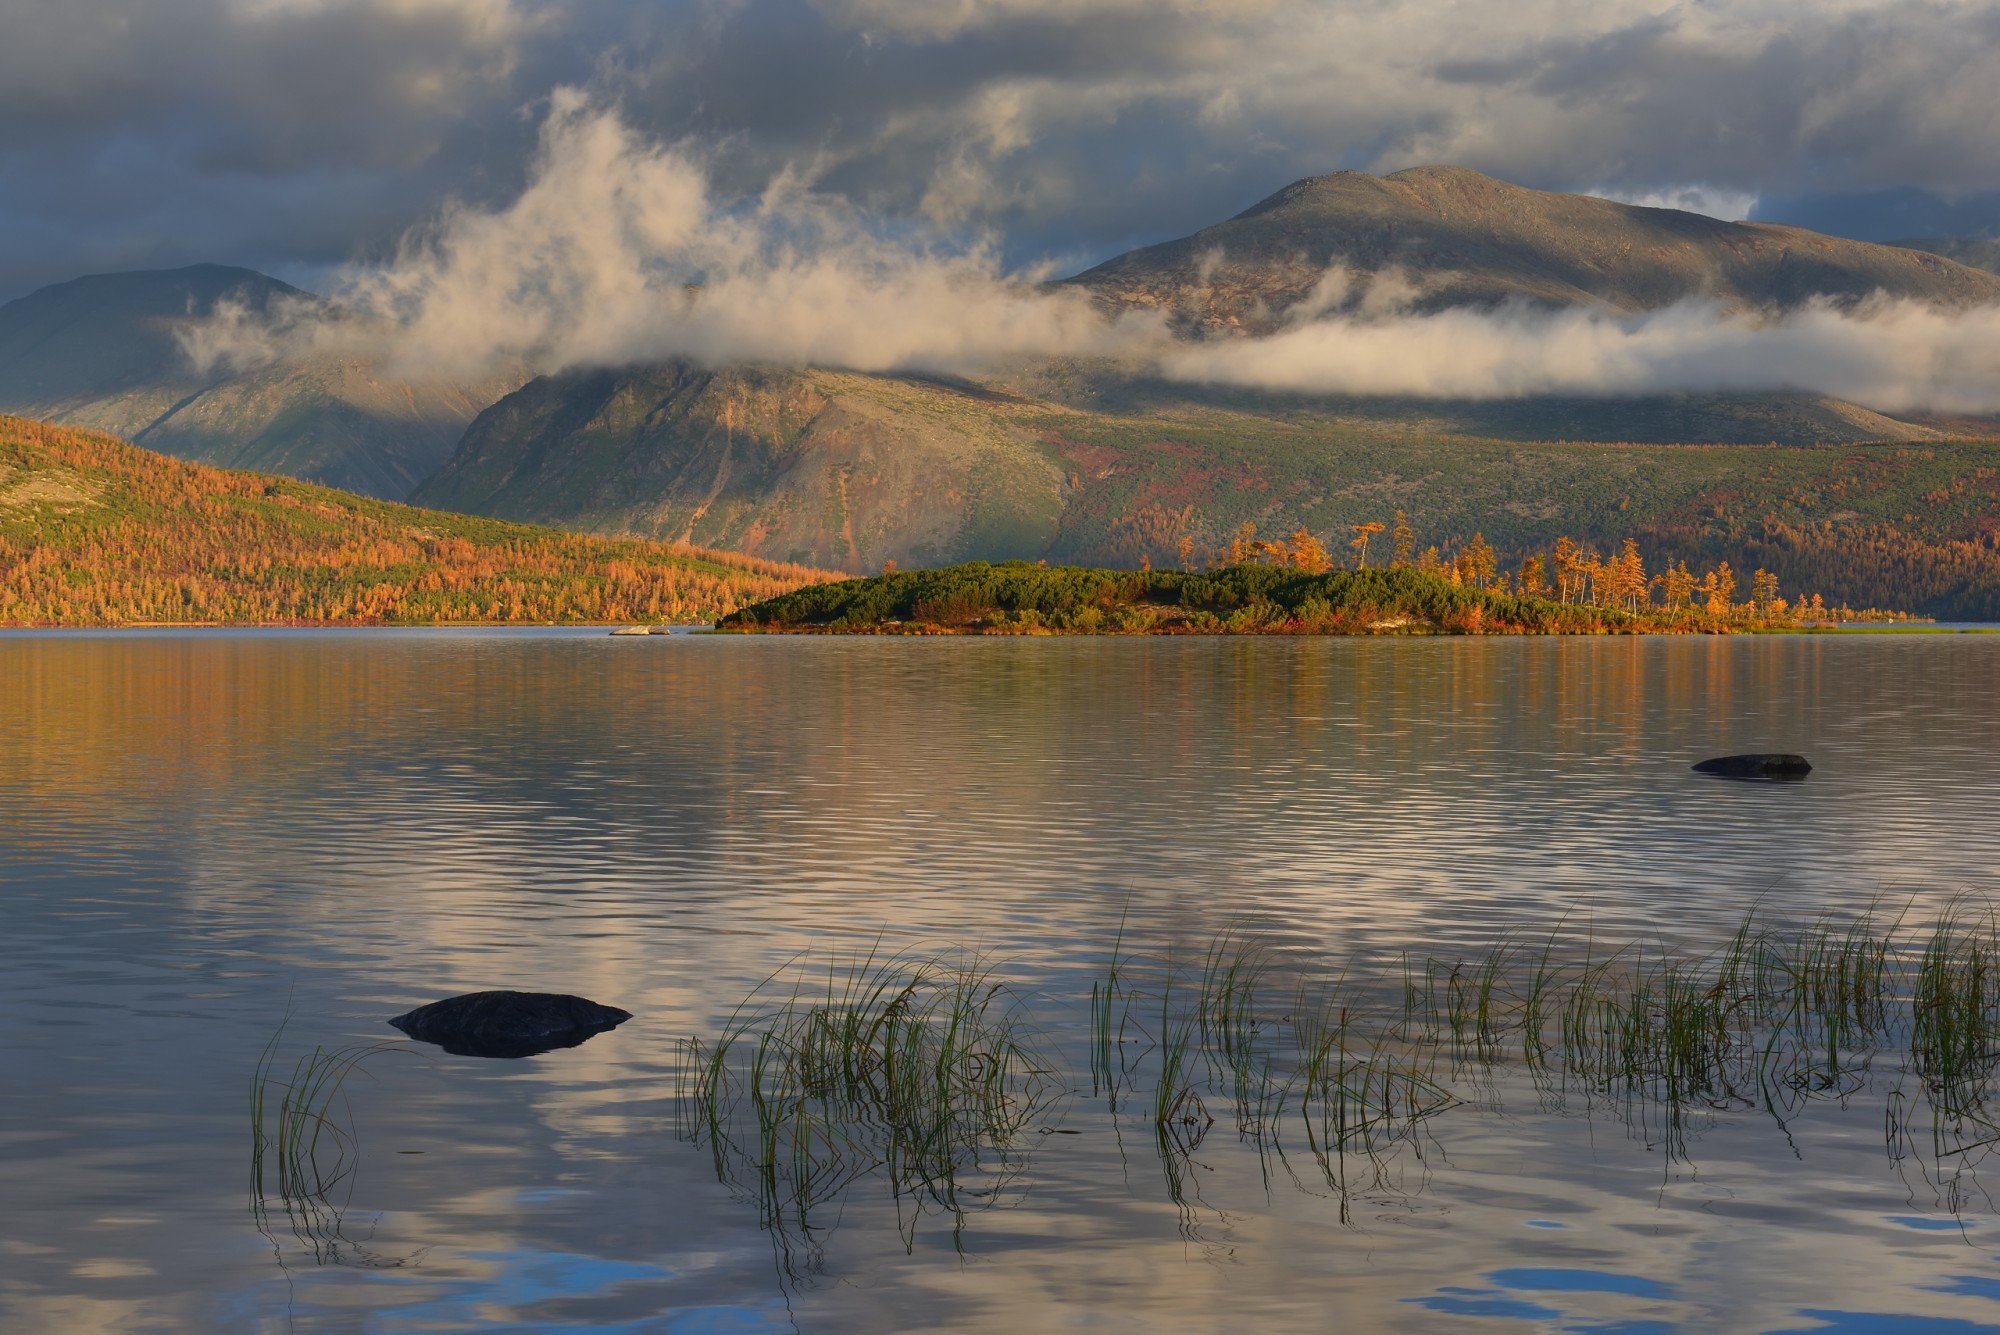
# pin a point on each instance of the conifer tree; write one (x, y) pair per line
(1569, 569)
(1533, 580)
(1405, 540)
(1362, 533)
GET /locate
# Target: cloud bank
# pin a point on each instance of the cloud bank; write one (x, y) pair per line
(620, 251)
(1893, 356)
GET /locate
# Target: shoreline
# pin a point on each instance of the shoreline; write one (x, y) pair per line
(620, 631)
(1001, 632)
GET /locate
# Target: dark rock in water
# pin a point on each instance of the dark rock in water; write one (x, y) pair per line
(1772, 766)
(509, 1024)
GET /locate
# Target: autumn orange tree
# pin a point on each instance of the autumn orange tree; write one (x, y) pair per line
(96, 532)
(1569, 573)
(1362, 533)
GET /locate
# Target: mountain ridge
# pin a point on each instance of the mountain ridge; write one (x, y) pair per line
(105, 352)
(1472, 239)
(1978, 252)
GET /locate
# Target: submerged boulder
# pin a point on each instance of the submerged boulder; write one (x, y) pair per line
(1762, 766)
(509, 1024)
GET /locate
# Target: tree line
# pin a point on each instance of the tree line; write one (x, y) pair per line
(1672, 595)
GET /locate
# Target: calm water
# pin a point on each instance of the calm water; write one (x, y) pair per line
(200, 833)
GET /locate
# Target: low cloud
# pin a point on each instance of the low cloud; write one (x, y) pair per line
(1891, 355)
(618, 251)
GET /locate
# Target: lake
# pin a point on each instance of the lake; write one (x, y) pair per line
(213, 844)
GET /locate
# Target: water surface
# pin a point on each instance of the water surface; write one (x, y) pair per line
(203, 833)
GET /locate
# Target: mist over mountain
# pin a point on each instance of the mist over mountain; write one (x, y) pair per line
(1435, 238)
(848, 469)
(110, 352)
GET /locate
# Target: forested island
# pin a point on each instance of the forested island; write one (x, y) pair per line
(1291, 587)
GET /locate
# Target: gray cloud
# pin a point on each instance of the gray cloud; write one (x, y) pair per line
(296, 133)
(256, 86)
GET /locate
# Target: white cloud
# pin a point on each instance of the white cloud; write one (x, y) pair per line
(1728, 205)
(618, 251)
(1889, 355)
(933, 20)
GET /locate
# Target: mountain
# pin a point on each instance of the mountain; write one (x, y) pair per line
(1082, 462)
(104, 352)
(1979, 252)
(852, 471)
(1085, 462)
(97, 532)
(856, 468)
(1462, 238)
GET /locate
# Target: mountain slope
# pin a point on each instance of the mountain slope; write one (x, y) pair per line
(97, 532)
(102, 352)
(840, 468)
(850, 471)
(1978, 252)
(1467, 239)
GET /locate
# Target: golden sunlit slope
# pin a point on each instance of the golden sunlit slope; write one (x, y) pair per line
(96, 532)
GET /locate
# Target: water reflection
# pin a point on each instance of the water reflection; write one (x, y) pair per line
(194, 829)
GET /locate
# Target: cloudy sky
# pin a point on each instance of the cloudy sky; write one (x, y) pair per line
(293, 135)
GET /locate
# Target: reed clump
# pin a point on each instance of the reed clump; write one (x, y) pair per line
(302, 1140)
(304, 1149)
(918, 1071)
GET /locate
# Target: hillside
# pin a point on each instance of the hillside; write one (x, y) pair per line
(1468, 239)
(96, 532)
(1979, 252)
(101, 352)
(849, 471)
(1085, 462)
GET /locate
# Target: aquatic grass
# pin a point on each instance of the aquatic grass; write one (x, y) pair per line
(1955, 1016)
(1177, 1103)
(1109, 997)
(922, 1072)
(304, 1147)
(306, 1133)
(1229, 1026)
(918, 1070)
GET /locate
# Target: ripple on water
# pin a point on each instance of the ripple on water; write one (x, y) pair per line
(204, 833)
